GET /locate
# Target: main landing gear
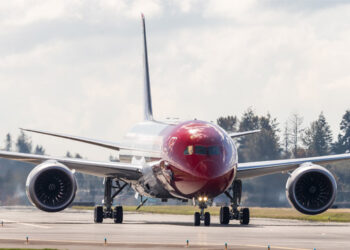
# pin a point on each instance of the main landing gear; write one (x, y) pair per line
(198, 217)
(234, 214)
(100, 212)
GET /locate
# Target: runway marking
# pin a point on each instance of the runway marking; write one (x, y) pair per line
(26, 224)
(146, 244)
(273, 246)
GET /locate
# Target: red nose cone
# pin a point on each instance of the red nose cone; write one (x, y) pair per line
(207, 169)
(201, 157)
(206, 178)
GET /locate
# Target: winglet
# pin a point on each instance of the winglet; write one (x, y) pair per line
(148, 113)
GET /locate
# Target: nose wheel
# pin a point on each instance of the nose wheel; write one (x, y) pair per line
(227, 214)
(201, 216)
(107, 211)
(197, 219)
(207, 219)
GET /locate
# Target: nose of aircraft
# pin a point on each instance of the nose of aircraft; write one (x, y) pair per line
(208, 177)
(202, 159)
(207, 169)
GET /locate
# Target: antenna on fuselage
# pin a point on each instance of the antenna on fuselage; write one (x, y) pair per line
(148, 113)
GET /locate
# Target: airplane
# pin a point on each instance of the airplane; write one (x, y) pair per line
(186, 160)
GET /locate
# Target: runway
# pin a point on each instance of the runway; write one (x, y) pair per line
(73, 229)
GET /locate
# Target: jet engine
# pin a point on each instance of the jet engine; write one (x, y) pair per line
(51, 186)
(311, 189)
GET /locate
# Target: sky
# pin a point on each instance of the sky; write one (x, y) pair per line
(76, 66)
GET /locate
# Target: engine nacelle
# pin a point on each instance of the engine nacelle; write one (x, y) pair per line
(51, 186)
(311, 189)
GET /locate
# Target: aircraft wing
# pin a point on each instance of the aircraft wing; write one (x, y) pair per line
(111, 169)
(105, 144)
(239, 134)
(254, 169)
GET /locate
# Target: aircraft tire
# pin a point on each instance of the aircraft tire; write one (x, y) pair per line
(197, 219)
(207, 219)
(224, 215)
(118, 214)
(245, 216)
(98, 214)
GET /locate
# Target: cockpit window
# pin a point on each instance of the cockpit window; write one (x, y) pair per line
(189, 150)
(213, 150)
(202, 150)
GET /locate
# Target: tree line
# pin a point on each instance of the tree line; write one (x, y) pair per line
(294, 141)
(297, 140)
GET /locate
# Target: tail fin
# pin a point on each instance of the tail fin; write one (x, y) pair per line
(148, 113)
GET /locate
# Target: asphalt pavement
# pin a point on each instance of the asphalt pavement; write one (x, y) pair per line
(75, 229)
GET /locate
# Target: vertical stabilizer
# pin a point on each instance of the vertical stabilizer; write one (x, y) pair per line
(147, 85)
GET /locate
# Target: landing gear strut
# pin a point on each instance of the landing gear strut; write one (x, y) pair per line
(227, 214)
(201, 216)
(100, 212)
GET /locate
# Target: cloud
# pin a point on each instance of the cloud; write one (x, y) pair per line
(230, 9)
(76, 66)
(303, 6)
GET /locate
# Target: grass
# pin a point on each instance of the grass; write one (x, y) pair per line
(334, 215)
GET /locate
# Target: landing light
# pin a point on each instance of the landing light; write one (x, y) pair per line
(202, 198)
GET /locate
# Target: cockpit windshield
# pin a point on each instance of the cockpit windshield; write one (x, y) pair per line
(202, 150)
(188, 150)
(214, 150)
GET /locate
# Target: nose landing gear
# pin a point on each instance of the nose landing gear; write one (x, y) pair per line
(226, 214)
(201, 216)
(101, 213)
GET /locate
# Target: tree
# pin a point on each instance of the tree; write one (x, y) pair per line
(286, 141)
(343, 143)
(249, 121)
(318, 137)
(39, 150)
(268, 140)
(8, 142)
(261, 146)
(228, 123)
(23, 144)
(248, 144)
(78, 156)
(296, 131)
